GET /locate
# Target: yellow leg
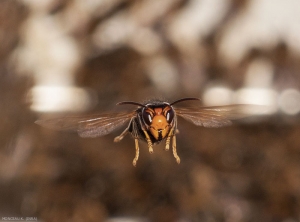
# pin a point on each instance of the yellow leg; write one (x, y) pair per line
(174, 150)
(119, 138)
(168, 143)
(168, 139)
(137, 152)
(148, 141)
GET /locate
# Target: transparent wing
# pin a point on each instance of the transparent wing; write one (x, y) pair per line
(89, 126)
(217, 116)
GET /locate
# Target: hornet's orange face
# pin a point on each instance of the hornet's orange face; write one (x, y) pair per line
(159, 120)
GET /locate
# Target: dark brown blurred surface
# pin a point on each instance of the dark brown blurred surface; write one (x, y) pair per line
(247, 172)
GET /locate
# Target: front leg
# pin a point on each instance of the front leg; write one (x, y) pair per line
(167, 147)
(148, 141)
(171, 133)
(147, 137)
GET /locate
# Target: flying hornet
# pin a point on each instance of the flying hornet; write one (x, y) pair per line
(153, 122)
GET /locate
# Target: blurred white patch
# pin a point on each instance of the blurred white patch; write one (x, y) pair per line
(257, 88)
(289, 101)
(259, 74)
(113, 33)
(196, 20)
(53, 56)
(217, 96)
(61, 99)
(163, 74)
(258, 96)
(40, 6)
(262, 25)
(146, 41)
(48, 52)
(133, 28)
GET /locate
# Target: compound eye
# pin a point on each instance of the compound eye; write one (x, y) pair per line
(170, 115)
(147, 118)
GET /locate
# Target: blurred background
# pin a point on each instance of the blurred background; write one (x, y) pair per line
(61, 57)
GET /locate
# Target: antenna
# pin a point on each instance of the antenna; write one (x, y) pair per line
(131, 103)
(184, 99)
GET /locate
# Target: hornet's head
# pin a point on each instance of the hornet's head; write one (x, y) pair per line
(159, 119)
